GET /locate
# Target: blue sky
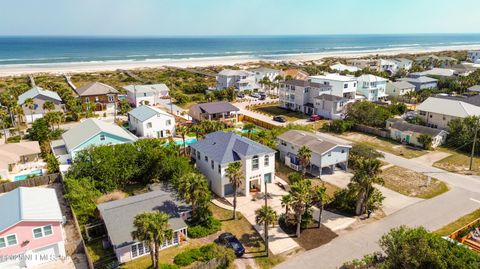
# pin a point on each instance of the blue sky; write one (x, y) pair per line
(237, 17)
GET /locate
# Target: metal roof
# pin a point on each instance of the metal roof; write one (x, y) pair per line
(36, 91)
(95, 88)
(452, 107)
(313, 142)
(89, 128)
(143, 113)
(228, 147)
(29, 204)
(402, 84)
(118, 215)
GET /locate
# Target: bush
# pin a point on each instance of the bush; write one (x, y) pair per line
(211, 226)
(294, 177)
(338, 126)
(426, 141)
(204, 254)
(168, 266)
(345, 200)
(14, 139)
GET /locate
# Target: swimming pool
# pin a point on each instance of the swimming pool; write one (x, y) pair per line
(187, 141)
(33, 173)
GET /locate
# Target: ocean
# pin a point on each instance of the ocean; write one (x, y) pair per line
(43, 50)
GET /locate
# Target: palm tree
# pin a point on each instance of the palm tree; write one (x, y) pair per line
(144, 234)
(304, 155)
(48, 106)
(301, 199)
(320, 198)
(197, 129)
(266, 215)
(193, 188)
(182, 130)
(235, 175)
(29, 103)
(3, 118)
(249, 127)
(286, 202)
(365, 175)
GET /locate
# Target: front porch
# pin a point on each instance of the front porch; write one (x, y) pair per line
(292, 161)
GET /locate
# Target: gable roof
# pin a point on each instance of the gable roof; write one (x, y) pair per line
(231, 72)
(330, 97)
(118, 215)
(29, 204)
(405, 126)
(11, 153)
(419, 79)
(475, 88)
(335, 77)
(306, 83)
(401, 85)
(437, 72)
(214, 107)
(143, 113)
(370, 78)
(89, 128)
(36, 91)
(153, 88)
(313, 142)
(447, 106)
(95, 88)
(225, 147)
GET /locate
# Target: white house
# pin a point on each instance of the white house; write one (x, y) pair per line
(298, 95)
(330, 106)
(392, 66)
(326, 155)
(213, 154)
(148, 121)
(399, 88)
(146, 94)
(437, 112)
(474, 56)
(342, 86)
(342, 67)
(269, 73)
(240, 79)
(39, 97)
(372, 87)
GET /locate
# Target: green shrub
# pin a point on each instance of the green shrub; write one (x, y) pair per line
(204, 254)
(14, 139)
(211, 226)
(338, 126)
(294, 177)
(168, 266)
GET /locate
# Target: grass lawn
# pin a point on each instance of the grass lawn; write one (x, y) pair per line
(411, 183)
(96, 251)
(458, 162)
(459, 223)
(275, 110)
(383, 144)
(249, 237)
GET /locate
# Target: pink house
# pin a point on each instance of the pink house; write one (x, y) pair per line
(31, 231)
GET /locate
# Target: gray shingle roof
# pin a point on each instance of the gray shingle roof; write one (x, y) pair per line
(401, 85)
(313, 142)
(29, 204)
(449, 106)
(215, 107)
(421, 79)
(147, 88)
(405, 126)
(475, 88)
(143, 113)
(227, 147)
(36, 91)
(118, 215)
(90, 127)
(95, 88)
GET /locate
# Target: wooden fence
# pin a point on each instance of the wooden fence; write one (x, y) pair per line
(257, 122)
(30, 182)
(371, 130)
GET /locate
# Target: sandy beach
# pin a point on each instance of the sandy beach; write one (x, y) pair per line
(81, 67)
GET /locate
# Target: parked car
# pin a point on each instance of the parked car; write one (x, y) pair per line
(240, 95)
(315, 117)
(255, 95)
(230, 241)
(263, 96)
(279, 119)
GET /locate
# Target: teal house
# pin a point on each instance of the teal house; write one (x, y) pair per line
(91, 132)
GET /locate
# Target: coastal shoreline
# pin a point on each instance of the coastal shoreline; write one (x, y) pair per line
(86, 67)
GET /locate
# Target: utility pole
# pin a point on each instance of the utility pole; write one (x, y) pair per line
(474, 142)
(266, 222)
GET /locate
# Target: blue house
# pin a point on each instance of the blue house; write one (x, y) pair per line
(91, 132)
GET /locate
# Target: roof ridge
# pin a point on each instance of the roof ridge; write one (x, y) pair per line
(154, 194)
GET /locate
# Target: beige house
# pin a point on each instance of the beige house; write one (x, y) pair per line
(437, 112)
(408, 133)
(20, 160)
(399, 88)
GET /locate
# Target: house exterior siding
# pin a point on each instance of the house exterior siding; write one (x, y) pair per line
(160, 126)
(97, 141)
(435, 120)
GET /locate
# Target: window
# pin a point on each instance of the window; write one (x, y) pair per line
(168, 122)
(345, 85)
(206, 159)
(266, 161)
(283, 143)
(329, 154)
(343, 151)
(42, 231)
(9, 240)
(198, 155)
(96, 99)
(423, 113)
(255, 162)
(149, 125)
(194, 152)
(219, 169)
(111, 98)
(213, 165)
(102, 137)
(144, 94)
(87, 99)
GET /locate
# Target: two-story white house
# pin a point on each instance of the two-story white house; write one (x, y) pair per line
(342, 86)
(239, 79)
(342, 67)
(150, 94)
(372, 87)
(330, 106)
(474, 56)
(326, 155)
(261, 73)
(392, 66)
(213, 154)
(148, 121)
(299, 95)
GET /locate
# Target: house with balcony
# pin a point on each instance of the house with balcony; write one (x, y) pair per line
(213, 154)
(392, 66)
(326, 155)
(298, 95)
(89, 133)
(148, 94)
(31, 228)
(330, 106)
(39, 97)
(21, 160)
(261, 73)
(118, 217)
(149, 121)
(373, 88)
(341, 86)
(220, 111)
(239, 79)
(103, 96)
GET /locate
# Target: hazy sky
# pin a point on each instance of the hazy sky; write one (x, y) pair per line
(236, 17)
